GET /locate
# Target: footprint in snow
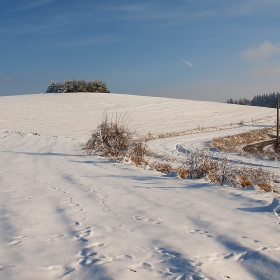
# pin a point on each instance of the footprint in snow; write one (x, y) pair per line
(138, 218)
(249, 239)
(88, 256)
(141, 265)
(198, 231)
(83, 235)
(98, 244)
(17, 240)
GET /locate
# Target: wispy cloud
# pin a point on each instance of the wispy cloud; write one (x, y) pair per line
(187, 62)
(265, 50)
(52, 25)
(33, 5)
(144, 11)
(195, 11)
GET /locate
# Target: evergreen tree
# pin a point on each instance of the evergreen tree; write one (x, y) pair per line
(264, 100)
(77, 86)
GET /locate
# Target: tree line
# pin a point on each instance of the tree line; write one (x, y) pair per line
(262, 100)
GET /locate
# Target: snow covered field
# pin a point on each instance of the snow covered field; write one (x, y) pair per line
(67, 215)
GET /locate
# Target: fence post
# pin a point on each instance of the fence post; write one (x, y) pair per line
(277, 123)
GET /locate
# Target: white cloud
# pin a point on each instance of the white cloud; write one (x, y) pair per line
(265, 50)
(197, 10)
(185, 61)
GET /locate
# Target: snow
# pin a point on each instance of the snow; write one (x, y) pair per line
(76, 114)
(67, 215)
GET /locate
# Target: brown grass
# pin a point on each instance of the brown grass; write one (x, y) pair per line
(265, 186)
(250, 143)
(214, 177)
(183, 173)
(165, 168)
(234, 143)
(244, 181)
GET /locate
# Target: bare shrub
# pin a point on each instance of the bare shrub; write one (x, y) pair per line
(217, 173)
(194, 163)
(199, 163)
(112, 137)
(163, 167)
(115, 139)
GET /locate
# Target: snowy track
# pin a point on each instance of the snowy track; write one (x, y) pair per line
(67, 215)
(198, 140)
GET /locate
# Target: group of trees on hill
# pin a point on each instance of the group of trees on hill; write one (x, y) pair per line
(77, 85)
(264, 100)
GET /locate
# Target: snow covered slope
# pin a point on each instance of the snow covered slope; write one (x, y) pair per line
(77, 114)
(67, 215)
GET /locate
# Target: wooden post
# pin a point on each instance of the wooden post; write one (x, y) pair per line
(277, 122)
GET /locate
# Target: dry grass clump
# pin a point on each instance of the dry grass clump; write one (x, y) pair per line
(199, 163)
(265, 186)
(262, 149)
(165, 168)
(234, 143)
(202, 163)
(244, 181)
(249, 176)
(183, 173)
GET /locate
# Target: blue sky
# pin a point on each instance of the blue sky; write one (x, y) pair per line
(194, 49)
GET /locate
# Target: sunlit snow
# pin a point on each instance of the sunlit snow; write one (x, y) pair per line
(67, 215)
